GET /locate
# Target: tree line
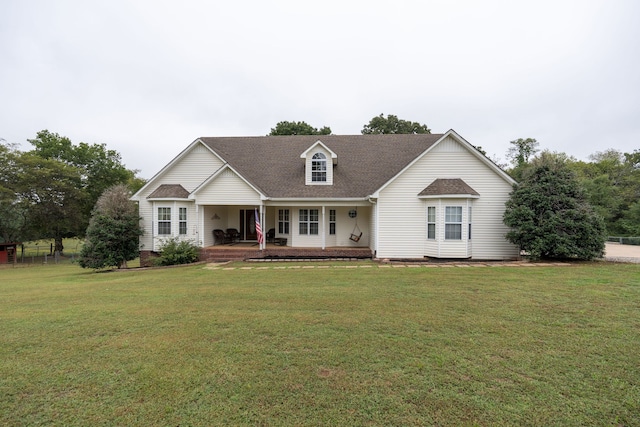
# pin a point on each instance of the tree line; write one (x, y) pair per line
(610, 180)
(49, 192)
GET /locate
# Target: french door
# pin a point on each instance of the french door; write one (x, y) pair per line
(248, 224)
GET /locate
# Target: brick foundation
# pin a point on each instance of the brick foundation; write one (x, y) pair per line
(147, 257)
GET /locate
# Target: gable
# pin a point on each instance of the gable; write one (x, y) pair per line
(228, 188)
(189, 169)
(446, 154)
(320, 147)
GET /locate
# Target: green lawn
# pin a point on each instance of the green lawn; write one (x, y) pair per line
(321, 346)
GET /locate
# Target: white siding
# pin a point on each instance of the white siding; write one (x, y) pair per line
(193, 168)
(344, 227)
(213, 217)
(402, 215)
(227, 189)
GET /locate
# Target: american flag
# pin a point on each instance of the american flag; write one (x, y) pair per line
(259, 229)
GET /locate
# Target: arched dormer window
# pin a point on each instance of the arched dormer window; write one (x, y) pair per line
(319, 162)
(319, 168)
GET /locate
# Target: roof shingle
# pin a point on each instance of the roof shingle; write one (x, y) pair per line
(169, 191)
(455, 186)
(365, 162)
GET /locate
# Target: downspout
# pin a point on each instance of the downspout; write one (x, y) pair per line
(374, 202)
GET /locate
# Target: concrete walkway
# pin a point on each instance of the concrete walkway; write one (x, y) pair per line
(313, 264)
(622, 253)
(614, 252)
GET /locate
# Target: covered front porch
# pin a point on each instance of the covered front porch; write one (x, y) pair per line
(300, 226)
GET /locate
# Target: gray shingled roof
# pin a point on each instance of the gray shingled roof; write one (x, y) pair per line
(169, 191)
(441, 187)
(365, 162)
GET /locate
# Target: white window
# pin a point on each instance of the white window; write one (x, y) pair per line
(469, 235)
(164, 221)
(308, 221)
(182, 220)
(283, 221)
(332, 221)
(319, 168)
(453, 223)
(431, 222)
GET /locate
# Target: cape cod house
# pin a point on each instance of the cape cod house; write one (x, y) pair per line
(395, 196)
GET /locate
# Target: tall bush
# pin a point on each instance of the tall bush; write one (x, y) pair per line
(114, 231)
(549, 215)
(175, 251)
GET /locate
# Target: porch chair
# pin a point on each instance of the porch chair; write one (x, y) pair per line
(233, 235)
(220, 237)
(271, 235)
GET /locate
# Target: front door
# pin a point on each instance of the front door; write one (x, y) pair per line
(248, 224)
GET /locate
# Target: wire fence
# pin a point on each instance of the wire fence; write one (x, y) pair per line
(625, 240)
(45, 254)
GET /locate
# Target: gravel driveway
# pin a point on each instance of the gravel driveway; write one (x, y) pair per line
(622, 253)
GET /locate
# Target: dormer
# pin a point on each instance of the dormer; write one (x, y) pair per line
(319, 161)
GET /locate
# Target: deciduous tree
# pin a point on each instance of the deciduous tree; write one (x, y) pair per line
(49, 194)
(298, 128)
(392, 124)
(12, 215)
(94, 168)
(519, 153)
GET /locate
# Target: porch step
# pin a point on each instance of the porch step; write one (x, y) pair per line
(212, 255)
(221, 253)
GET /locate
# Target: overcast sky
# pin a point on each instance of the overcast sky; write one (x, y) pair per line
(148, 77)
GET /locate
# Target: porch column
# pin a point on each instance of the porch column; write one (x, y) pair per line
(324, 237)
(263, 224)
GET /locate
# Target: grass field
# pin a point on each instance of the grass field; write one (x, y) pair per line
(357, 346)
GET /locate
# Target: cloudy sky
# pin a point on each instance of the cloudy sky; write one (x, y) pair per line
(148, 77)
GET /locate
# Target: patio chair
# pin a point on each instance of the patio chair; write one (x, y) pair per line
(271, 235)
(220, 237)
(233, 235)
